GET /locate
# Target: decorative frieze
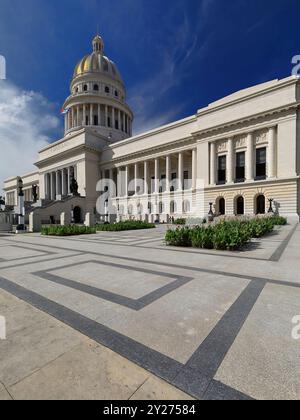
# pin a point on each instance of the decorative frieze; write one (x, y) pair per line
(240, 142)
(222, 147)
(261, 137)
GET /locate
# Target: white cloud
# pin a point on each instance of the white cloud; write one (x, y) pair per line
(27, 121)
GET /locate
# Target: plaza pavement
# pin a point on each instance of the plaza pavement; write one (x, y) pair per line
(122, 316)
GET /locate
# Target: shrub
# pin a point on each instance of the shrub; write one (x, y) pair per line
(179, 237)
(202, 237)
(127, 225)
(57, 230)
(179, 221)
(229, 234)
(279, 221)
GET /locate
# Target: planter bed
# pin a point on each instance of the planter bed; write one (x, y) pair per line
(225, 235)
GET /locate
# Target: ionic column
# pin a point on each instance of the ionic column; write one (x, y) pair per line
(63, 183)
(84, 114)
(126, 180)
(66, 123)
(69, 120)
(99, 114)
(119, 119)
(146, 176)
(52, 186)
(119, 182)
(91, 114)
(69, 180)
(136, 175)
(168, 173)
(194, 169)
(180, 171)
(106, 116)
(272, 152)
(250, 158)
(78, 116)
(213, 163)
(46, 186)
(57, 183)
(230, 167)
(113, 118)
(124, 121)
(73, 117)
(111, 178)
(156, 176)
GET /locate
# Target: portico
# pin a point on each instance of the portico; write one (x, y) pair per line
(57, 183)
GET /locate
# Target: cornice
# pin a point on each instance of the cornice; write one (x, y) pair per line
(154, 132)
(154, 152)
(243, 124)
(268, 89)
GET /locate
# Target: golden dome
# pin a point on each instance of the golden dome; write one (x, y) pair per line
(97, 62)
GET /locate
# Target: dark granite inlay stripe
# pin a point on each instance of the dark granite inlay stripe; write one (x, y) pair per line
(135, 304)
(157, 363)
(205, 362)
(191, 380)
(217, 391)
(181, 267)
(275, 257)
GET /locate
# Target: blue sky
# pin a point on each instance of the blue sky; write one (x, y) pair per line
(175, 56)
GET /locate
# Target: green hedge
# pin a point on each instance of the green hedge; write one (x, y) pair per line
(122, 226)
(179, 221)
(226, 235)
(57, 230)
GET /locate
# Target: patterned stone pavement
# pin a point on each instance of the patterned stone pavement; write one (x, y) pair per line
(120, 316)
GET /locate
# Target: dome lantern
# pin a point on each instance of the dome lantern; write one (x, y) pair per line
(98, 45)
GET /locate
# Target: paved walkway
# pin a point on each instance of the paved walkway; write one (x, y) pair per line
(120, 316)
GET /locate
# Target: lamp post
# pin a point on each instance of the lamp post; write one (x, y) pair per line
(271, 211)
(20, 207)
(211, 213)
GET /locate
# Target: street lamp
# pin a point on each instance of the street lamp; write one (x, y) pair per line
(211, 213)
(271, 201)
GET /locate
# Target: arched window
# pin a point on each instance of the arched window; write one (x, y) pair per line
(161, 208)
(85, 88)
(240, 206)
(116, 93)
(221, 206)
(150, 207)
(96, 87)
(96, 122)
(186, 206)
(139, 208)
(260, 204)
(173, 207)
(107, 90)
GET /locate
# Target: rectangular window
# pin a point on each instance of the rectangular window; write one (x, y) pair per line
(152, 184)
(173, 183)
(240, 167)
(162, 186)
(261, 163)
(186, 183)
(222, 170)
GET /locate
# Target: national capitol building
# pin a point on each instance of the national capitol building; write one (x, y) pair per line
(237, 154)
